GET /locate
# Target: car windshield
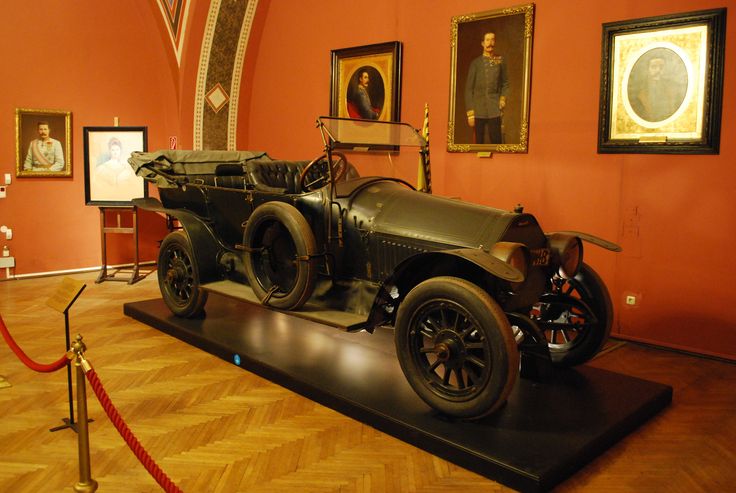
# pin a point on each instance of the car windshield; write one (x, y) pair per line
(370, 133)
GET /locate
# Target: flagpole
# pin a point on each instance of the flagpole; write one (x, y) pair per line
(424, 176)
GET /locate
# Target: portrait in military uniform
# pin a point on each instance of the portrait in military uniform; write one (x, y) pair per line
(491, 70)
(366, 82)
(43, 141)
(366, 93)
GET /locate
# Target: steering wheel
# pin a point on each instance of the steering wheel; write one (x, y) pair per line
(338, 170)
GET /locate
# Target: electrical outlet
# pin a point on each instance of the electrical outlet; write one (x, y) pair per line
(2, 192)
(631, 300)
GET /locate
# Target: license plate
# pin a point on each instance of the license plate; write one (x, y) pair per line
(540, 256)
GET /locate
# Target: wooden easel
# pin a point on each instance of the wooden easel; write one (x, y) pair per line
(133, 274)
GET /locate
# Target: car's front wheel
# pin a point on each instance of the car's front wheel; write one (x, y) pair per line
(456, 347)
(178, 276)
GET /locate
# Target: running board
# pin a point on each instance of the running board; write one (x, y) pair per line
(312, 310)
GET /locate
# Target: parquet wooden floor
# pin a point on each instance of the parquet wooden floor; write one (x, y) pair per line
(213, 427)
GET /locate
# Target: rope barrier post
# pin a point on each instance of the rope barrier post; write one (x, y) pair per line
(86, 484)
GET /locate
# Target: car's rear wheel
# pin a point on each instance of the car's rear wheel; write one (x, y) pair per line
(576, 316)
(178, 276)
(456, 347)
(280, 250)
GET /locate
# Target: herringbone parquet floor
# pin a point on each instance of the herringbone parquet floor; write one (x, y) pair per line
(213, 427)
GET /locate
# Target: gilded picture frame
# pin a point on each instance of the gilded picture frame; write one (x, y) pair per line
(490, 80)
(43, 142)
(108, 178)
(662, 84)
(366, 82)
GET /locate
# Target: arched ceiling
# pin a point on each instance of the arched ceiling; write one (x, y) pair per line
(175, 13)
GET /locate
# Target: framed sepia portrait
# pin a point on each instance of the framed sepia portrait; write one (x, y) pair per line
(490, 80)
(42, 143)
(366, 82)
(108, 178)
(662, 84)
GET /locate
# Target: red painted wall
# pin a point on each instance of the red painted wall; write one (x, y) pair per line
(674, 215)
(98, 63)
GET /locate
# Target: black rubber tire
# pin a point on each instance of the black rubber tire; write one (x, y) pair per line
(178, 276)
(594, 316)
(280, 251)
(452, 313)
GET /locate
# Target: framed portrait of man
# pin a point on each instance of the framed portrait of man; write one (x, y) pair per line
(42, 143)
(108, 177)
(366, 82)
(490, 80)
(662, 84)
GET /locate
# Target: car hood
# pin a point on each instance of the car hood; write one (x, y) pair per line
(393, 210)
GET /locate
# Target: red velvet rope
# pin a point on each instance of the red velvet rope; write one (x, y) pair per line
(57, 365)
(145, 459)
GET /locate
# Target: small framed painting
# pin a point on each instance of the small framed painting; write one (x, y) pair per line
(366, 82)
(43, 143)
(108, 178)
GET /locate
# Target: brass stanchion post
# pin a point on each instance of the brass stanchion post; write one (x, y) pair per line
(86, 484)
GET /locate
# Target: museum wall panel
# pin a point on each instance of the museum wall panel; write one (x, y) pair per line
(673, 214)
(98, 63)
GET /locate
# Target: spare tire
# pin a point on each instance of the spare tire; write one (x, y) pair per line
(279, 259)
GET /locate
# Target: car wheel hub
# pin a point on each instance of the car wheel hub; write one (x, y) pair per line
(450, 349)
(177, 272)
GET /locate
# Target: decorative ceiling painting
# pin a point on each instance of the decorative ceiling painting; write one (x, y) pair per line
(175, 14)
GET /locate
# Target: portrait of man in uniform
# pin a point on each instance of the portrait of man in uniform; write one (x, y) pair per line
(486, 88)
(491, 67)
(43, 140)
(366, 82)
(366, 94)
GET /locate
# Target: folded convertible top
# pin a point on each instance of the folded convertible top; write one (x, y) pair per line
(146, 164)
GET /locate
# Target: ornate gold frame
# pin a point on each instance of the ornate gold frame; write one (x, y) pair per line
(25, 124)
(514, 28)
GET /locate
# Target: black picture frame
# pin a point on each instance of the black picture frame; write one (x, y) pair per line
(382, 64)
(662, 84)
(108, 178)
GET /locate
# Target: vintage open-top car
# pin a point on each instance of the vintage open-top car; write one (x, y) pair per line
(468, 288)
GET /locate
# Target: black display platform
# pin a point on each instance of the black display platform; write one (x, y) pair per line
(545, 432)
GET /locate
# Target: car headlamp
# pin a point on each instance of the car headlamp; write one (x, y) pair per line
(514, 254)
(567, 250)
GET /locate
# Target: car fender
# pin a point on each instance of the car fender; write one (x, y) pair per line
(205, 245)
(608, 245)
(489, 263)
(429, 261)
(422, 266)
